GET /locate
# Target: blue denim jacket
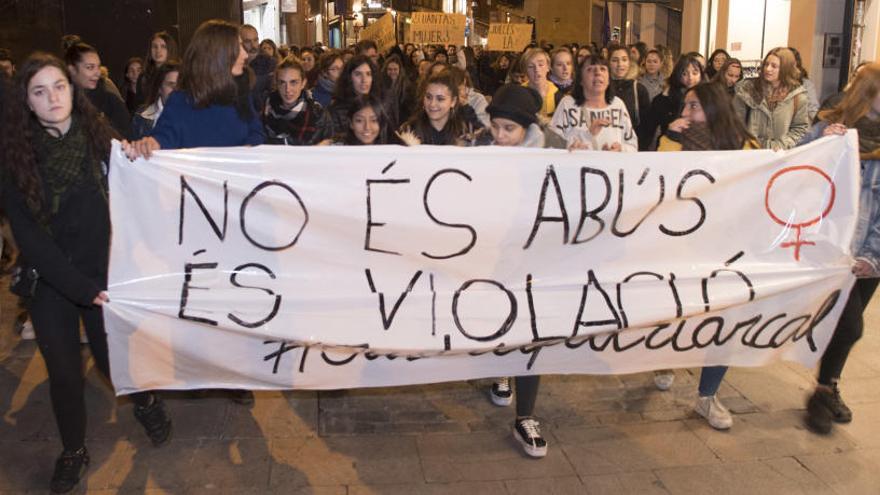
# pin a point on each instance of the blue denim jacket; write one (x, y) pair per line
(866, 241)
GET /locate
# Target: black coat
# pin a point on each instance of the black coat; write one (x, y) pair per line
(72, 254)
(638, 102)
(111, 105)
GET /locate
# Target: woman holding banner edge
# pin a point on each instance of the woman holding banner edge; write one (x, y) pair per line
(859, 109)
(212, 106)
(56, 147)
(708, 122)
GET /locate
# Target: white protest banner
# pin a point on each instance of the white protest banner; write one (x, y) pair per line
(437, 28)
(335, 267)
(382, 32)
(507, 37)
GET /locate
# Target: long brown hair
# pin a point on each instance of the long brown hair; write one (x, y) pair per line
(455, 126)
(727, 129)
(858, 99)
(789, 75)
(18, 127)
(206, 74)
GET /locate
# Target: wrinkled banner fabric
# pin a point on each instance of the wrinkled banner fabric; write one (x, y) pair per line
(337, 267)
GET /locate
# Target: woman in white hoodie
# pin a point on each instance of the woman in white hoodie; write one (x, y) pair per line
(591, 117)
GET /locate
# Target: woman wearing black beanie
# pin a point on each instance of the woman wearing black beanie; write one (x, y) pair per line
(514, 122)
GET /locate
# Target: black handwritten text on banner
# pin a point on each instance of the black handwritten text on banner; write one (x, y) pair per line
(366, 266)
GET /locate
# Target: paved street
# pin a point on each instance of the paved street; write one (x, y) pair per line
(613, 434)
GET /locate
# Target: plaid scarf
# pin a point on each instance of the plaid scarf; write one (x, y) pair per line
(63, 163)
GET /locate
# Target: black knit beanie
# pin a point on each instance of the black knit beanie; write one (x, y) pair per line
(520, 104)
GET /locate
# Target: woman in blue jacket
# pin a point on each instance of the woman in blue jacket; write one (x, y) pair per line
(859, 109)
(211, 106)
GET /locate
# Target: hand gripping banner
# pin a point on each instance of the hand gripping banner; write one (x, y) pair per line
(337, 267)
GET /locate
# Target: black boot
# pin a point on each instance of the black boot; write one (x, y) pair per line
(840, 412)
(155, 420)
(69, 469)
(819, 413)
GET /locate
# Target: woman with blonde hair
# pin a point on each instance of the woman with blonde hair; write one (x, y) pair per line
(774, 106)
(859, 109)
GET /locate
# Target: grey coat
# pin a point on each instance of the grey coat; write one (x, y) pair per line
(779, 129)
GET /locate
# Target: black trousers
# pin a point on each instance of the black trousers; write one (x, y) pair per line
(56, 325)
(526, 394)
(848, 332)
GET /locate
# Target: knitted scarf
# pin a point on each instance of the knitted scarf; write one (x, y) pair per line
(63, 163)
(696, 137)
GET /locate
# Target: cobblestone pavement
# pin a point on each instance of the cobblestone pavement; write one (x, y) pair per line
(614, 434)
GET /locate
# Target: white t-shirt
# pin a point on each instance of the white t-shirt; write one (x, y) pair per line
(572, 122)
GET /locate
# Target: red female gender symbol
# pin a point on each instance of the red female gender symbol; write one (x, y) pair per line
(798, 226)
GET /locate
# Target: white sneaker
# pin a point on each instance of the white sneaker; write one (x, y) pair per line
(500, 393)
(664, 379)
(27, 331)
(711, 408)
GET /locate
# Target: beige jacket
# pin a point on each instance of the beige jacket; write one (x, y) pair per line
(781, 128)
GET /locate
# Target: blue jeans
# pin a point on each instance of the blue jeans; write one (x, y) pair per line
(710, 379)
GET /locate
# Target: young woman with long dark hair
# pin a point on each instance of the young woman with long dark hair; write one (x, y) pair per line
(667, 106)
(399, 93)
(55, 147)
(212, 105)
(708, 122)
(130, 90)
(360, 76)
(162, 48)
(730, 74)
(859, 109)
(164, 83)
(84, 65)
(367, 124)
(716, 61)
(438, 120)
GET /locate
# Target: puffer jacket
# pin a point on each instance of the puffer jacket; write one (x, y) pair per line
(779, 129)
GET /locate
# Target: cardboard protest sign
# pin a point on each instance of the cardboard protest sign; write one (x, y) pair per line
(336, 267)
(435, 28)
(509, 37)
(382, 32)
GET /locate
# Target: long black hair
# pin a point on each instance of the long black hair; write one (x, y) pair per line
(345, 92)
(366, 101)
(727, 129)
(19, 125)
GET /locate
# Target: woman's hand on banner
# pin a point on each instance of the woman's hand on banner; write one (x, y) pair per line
(101, 298)
(835, 129)
(140, 148)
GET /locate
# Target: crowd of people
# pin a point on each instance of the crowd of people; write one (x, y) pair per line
(228, 88)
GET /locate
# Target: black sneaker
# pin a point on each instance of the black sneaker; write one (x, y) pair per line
(69, 469)
(155, 420)
(242, 397)
(527, 433)
(819, 416)
(500, 393)
(840, 412)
